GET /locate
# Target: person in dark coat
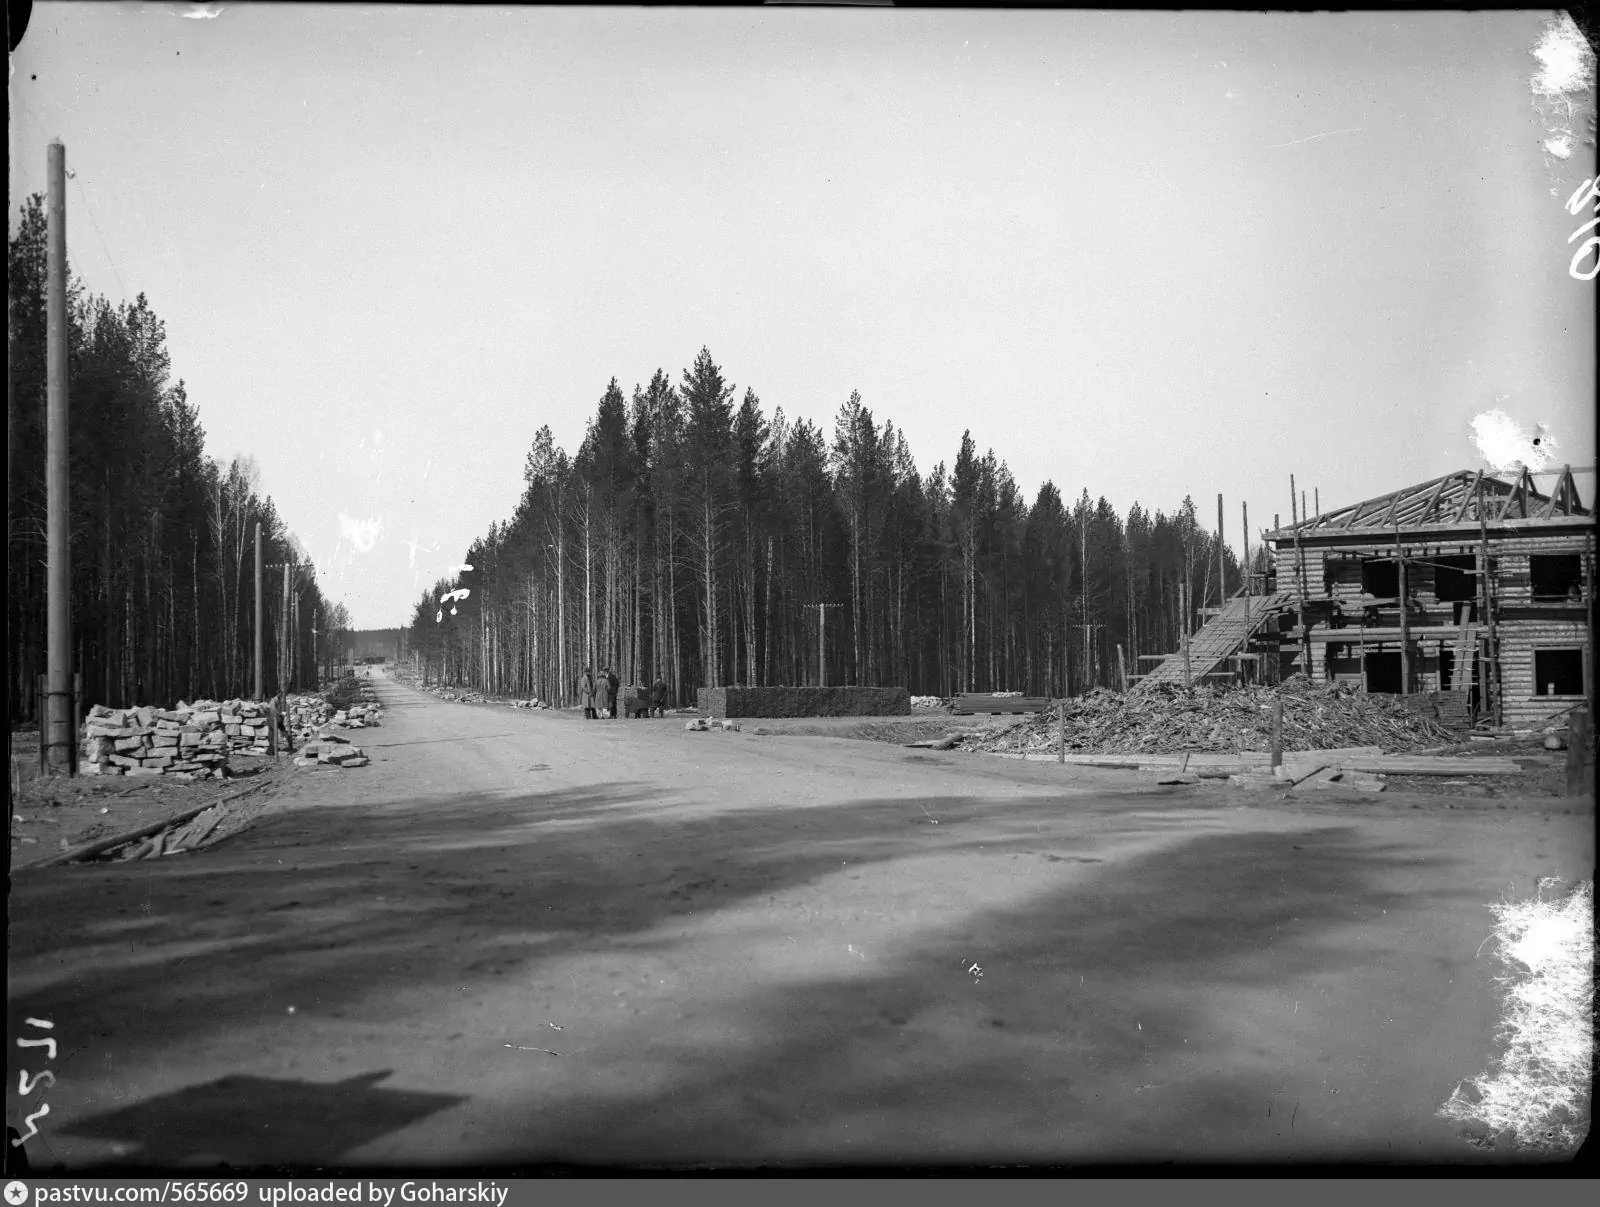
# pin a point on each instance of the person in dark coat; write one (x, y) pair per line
(658, 697)
(603, 698)
(586, 693)
(616, 696)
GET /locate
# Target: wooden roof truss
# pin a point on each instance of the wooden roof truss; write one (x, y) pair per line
(1454, 499)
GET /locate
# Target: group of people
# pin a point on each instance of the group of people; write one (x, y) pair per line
(602, 697)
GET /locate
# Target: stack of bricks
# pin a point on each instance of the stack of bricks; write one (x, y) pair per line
(191, 741)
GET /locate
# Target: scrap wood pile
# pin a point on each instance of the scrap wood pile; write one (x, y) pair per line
(1166, 719)
(188, 742)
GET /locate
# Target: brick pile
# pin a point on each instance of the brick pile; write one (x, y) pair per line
(190, 741)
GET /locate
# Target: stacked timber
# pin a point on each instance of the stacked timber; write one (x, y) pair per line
(188, 742)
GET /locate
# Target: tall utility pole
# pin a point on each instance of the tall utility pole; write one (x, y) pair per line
(58, 737)
(822, 640)
(285, 643)
(561, 629)
(1244, 527)
(1222, 595)
(257, 693)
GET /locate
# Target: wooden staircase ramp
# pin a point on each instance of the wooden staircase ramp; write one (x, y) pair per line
(1221, 637)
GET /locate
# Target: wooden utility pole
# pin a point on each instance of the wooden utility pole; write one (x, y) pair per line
(822, 640)
(257, 694)
(1405, 617)
(1183, 607)
(1493, 681)
(57, 738)
(1299, 585)
(286, 649)
(561, 628)
(1222, 594)
(1244, 523)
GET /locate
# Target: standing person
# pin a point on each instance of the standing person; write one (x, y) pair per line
(658, 697)
(586, 693)
(603, 691)
(616, 693)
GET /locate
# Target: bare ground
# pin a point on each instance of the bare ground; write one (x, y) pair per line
(521, 938)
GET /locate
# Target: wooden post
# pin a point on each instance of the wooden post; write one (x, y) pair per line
(1580, 765)
(1122, 667)
(56, 715)
(1277, 728)
(1299, 585)
(257, 695)
(1183, 594)
(1494, 681)
(1244, 521)
(1405, 615)
(1061, 732)
(43, 709)
(1222, 594)
(77, 717)
(272, 728)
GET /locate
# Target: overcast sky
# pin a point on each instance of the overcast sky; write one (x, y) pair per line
(1143, 253)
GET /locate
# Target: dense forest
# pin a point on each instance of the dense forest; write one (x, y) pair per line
(693, 537)
(163, 536)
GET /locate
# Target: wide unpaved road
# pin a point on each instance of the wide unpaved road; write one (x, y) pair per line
(760, 949)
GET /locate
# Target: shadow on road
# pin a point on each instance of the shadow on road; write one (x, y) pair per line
(1094, 974)
(254, 1121)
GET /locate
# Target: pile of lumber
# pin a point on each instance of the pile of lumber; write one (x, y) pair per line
(534, 703)
(330, 750)
(188, 742)
(1166, 719)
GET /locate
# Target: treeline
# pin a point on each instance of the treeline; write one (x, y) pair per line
(691, 536)
(162, 536)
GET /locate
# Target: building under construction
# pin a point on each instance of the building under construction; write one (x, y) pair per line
(1471, 593)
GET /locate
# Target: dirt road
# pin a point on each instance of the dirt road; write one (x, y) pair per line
(523, 937)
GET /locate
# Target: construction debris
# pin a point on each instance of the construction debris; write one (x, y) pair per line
(330, 750)
(307, 715)
(706, 724)
(1168, 720)
(187, 742)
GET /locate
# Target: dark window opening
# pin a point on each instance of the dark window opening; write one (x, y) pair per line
(1447, 670)
(1556, 575)
(1381, 577)
(1383, 673)
(1558, 672)
(1453, 580)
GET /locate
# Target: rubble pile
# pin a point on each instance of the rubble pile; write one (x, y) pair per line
(330, 750)
(307, 715)
(926, 702)
(1166, 719)
(190, 741)
(531, 704)
(707, 724)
